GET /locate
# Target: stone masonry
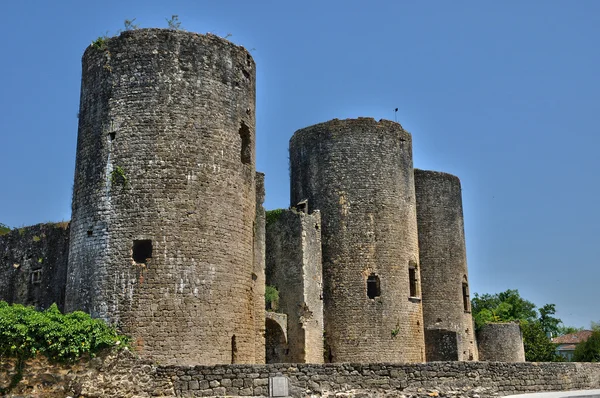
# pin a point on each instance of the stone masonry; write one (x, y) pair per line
(258, 274)
(447, 320)
(164, 201)
(294, 267)
(359, 174)
(33, 265)
(501, 342)
(169, 238)
(124, 376)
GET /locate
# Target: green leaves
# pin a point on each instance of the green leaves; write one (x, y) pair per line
(4, 229)
(589, 350)
(25, 332)
(271, 297)
(509, 306)
(537, 344)
(503, 307)
(273, 215)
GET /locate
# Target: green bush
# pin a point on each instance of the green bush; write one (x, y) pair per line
(4, 229)
(273, 215)
(271, 297)
(25, 332)
(589, 350)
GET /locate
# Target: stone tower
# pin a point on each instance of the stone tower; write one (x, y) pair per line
(294, 267)
(164, 199)
(359, 174)
(448, 324)
(501, 342)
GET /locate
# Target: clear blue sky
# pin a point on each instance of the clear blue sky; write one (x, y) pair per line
(504, 94)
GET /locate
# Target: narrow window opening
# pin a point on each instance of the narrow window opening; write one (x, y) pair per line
(413, 281)
(373, 286)
(36, 277)
(246, 154)
(302, 206)
(233, 349)
(90, 232)
(142, 250)
(112, 136)
(466, 300)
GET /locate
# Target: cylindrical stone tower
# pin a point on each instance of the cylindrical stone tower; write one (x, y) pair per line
(502, 342)
(164, 195)
(359, 174)
(449, 334)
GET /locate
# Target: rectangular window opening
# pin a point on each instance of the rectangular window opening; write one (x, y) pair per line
(36, 276)
(373, 286)
(466, 300)
(246, 151)
(142, 250)
(413, 283)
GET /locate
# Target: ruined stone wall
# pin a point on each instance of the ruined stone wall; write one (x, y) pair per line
(164, 197)
(501, 342)
(258, 275)
(359, 174)
(123, 375)
(447, 320)
(294, 268)
(33, 265)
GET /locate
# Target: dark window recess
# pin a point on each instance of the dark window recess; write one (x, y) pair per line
(246, 153)
(373, 286)
(233, 349)
(36, 276)
(112, 136)
(142, 250)
(413, 283)
(302, 206)
(466, 300)
(90, 232)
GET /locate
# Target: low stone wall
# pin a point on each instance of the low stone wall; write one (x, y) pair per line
(124, 375)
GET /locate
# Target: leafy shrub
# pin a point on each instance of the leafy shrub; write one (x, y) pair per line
(100, 43)
(271, 297)
(4, 229)
(537, 345)
(25, 332)
(273, 215)
(589, 350)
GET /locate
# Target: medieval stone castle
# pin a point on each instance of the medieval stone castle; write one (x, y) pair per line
(170, 242)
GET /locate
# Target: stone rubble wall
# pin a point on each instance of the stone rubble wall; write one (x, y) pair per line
(294, 267)
(33, 265)
(359, 174)
(501, 342)
(164, 198)
(124, 375)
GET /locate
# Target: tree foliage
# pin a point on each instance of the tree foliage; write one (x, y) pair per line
(547, 321)
(563, 329)
(25, 332)
(4, 229)
(589, 350)
(537, 325)
(271, 297)
(501, 307)
(537, 344)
